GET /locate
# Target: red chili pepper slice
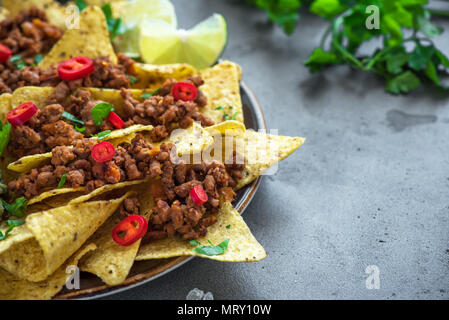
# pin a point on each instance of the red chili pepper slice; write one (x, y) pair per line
(5, 53)
(75, 68)
(129, 230)
(115, 119)
(198, 195)
(184, 91)
(21, 114)
(103, 151)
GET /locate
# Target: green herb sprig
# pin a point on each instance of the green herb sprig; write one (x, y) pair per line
(17, 208)
(407, 57)
(11, 225)
(212, 250)
(100, 112)
(5, 135)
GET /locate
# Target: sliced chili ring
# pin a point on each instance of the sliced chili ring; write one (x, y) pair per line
(129, 230)
(21, 114)
(5, 53)
(103, 151)
(198, 195)
(115, 119)
(184, 91)
(75, 68)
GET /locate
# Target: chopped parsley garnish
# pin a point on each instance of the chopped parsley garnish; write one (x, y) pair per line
(16, 208)
(12, 224)
(147, 95)
(226, 116)
(228, 226)
(17, 61)
(193, 243)
(81, 5)
(62, 181)
(72, 118)
(100, 112)
(80, 129)
(5, 134)
(219, 108)
(38, 58)
(213, 250)
(103, 134)
(115, 25)
(132, 79)
(234, 115)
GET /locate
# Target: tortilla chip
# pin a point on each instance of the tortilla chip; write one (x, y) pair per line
(222, 89)
(229, 127)
(242, 244)
(263, 151)
(13, 288)
(112, 262)
(55, 11)
(5, 105)
(57, 234)
(153, 76)
(90, 40)
(4, 13)
(26, 163)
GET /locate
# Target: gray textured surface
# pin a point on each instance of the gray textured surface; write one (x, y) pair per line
(369, 187)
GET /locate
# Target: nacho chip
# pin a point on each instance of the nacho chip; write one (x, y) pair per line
(222, 89)
(110, 261)
(90, 40)
(55, 11)
(14, 288)
(153, 76)
(263, 151)
(242, 244)
(57, 234)
(5, 105)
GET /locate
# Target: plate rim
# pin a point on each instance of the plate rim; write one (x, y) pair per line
(142, 278)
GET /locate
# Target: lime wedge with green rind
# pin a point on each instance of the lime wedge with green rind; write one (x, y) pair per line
(200, 46)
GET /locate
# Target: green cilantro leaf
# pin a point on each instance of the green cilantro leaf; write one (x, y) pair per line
(132, 79)
(219, 108)
(213, 250)
(103, 134)
(5, 134)
(16, 208)
(404, 82)
(17, 61)
(193, 243)
(420, 56)
(100, 112)
(80, 129)
(319, 58)
(38, 58)
(282, 12)
(12, 224)
(147, 95)
(81, 5)
(228, 226)
(234, 115)
(72, 118)
(115, 26)
(62, 181)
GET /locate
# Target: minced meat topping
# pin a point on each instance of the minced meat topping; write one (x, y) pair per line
(27, 34)
(174, 213)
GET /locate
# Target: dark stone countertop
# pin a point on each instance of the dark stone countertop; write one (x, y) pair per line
(369, 187)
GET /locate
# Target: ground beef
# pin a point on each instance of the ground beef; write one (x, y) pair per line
(44, 131)
(174, 213)
(106, 75)
(28, 34)
(129, 206)
(164, 112)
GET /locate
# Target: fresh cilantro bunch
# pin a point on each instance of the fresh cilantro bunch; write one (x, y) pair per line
(283, 12)
(407, 56)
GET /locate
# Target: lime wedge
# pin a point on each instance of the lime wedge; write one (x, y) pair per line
(133, 13)
(200, 46)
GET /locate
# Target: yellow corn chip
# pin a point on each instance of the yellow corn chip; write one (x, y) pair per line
(242, 244)
(56, 235)
(222, 89)
(91, 40)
